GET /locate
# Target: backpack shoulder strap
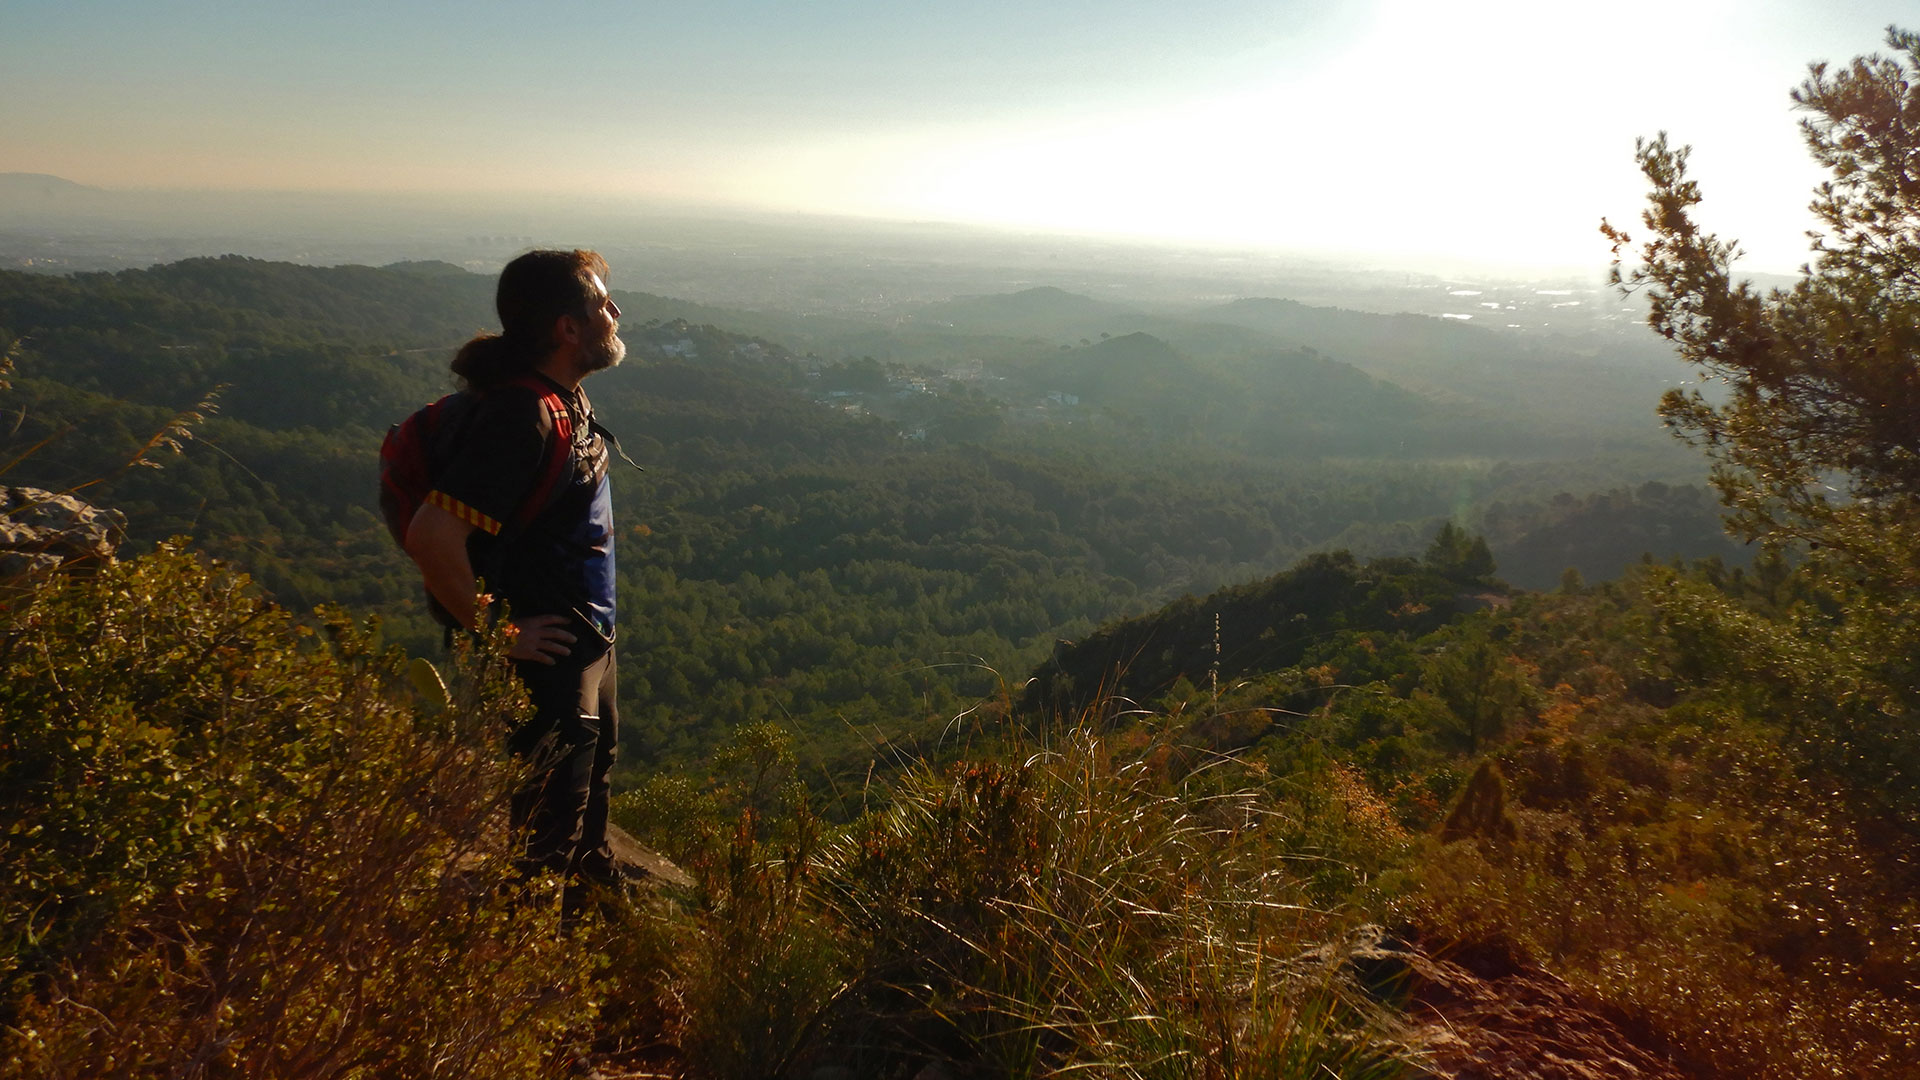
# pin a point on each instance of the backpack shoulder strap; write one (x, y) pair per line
(559, 450)
(613, 441)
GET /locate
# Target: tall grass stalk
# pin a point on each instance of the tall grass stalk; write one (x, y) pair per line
(1054, 912)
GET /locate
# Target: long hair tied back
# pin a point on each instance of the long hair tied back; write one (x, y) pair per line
(535, 290)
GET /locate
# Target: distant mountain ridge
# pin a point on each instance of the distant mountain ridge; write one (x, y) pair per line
(1272, 401)
(423, 303)
(1594, 389)
(1571, 384)
(40, 184)
(1242, 630)
(427, 268)
(1136, 363)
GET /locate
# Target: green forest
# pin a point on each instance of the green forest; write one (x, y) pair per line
(863, 549)
(1033, 688)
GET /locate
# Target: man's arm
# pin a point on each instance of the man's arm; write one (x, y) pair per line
(437, 543)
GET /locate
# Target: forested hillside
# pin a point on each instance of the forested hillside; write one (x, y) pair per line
(864, 547)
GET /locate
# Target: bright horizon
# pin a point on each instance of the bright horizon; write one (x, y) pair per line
(1490, 132)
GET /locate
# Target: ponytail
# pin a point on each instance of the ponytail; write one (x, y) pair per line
(489, 360)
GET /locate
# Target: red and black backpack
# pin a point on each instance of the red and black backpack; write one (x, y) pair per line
(417, 450)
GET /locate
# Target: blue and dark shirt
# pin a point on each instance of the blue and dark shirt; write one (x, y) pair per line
(561, 562)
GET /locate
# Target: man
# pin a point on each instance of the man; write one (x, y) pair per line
(555, 572)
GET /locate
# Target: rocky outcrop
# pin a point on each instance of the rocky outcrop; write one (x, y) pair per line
(1484, 1014)
(41, 532)
(637, 862)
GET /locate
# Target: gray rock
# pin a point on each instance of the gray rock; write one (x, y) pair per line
(41, 531)
(641, 863)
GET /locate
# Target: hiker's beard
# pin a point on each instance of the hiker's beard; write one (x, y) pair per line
(603, 354)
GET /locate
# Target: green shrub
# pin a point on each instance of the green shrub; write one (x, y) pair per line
(766, 965)
(751, 964)
(233, 845)
(1741, 919)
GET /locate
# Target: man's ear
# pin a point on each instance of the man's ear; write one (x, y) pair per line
(567, 330)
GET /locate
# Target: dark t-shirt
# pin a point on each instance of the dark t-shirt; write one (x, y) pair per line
(562, 562)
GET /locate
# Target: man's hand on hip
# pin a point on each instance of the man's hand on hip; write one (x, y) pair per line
(541, 639)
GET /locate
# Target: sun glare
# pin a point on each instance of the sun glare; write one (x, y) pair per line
(1500, 132)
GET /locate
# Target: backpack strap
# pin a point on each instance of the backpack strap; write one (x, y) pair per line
(613, 440)
(559, 450)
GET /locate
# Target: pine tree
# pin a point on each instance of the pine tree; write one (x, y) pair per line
(1816, 442)
(1461, 556)
(1818, 436)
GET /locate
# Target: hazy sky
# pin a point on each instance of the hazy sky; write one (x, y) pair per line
(1484, 130)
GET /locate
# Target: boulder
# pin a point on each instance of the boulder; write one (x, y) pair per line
(41, 531)
(637, 862)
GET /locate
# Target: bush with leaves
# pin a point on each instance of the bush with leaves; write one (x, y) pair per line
(233, 845)
(1654, 836)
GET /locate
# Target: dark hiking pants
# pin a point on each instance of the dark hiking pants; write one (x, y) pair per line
(569, 744)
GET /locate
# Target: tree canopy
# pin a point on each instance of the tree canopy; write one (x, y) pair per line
(1818, 435)
(1816, 440)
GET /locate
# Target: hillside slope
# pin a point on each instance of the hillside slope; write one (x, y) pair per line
(844, 560)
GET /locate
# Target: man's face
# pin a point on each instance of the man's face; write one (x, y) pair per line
(602, 347)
